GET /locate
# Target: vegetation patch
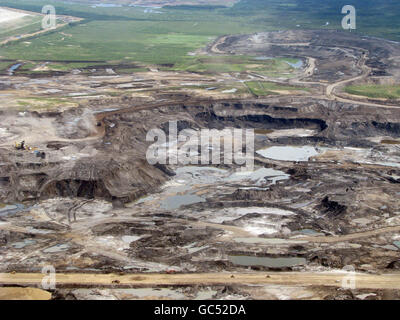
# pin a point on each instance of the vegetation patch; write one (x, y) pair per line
(375, 91)
(4, 66)
(390, 142)
(263, 131)
(233, 64)
(167, 35)
(34, 103)
(262, 88)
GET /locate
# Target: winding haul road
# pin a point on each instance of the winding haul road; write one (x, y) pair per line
(326, 279)
(329, 91)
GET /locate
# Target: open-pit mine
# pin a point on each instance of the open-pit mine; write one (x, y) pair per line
(320, 206)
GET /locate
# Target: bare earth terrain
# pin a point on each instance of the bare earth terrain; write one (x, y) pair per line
(323, 195)
(7, 15)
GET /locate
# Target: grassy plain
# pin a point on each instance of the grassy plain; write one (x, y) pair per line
(375, 91)
(165, 36)
(262, 88)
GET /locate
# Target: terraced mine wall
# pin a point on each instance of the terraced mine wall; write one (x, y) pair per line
(119, 171)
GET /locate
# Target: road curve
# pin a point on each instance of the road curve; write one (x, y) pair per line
(309, 71)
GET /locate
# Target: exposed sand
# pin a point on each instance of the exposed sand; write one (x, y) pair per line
(7, 15)
(15, 293)
(326, 279)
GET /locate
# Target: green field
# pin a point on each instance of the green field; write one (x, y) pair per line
(132, 43)
(228, 64)
(165, 36)
(4, 65)
(375, 91)
(392, 142)
(28, 24)
(35, 103)
(262, 88)
(124, 34)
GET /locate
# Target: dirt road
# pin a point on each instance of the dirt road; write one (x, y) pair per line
(214, 47)
(24, 294)
(328, 279)
(365, 72)
(309, 71)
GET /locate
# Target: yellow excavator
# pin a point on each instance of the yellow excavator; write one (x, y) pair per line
(22, 146)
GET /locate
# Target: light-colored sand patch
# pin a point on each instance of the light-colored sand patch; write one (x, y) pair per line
(7, 15)
(291, 133)
(288, 153)
(7, 293)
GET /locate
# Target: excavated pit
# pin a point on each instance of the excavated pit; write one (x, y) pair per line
(104, 185)
(115, 167)
(322, 195)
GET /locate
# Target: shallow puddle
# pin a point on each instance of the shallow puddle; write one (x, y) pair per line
(23, 244)
(57, 248)
(129, 239)
(311, 232)
(287, 153)
(186, 187)
(267, 262)
(259, 176)
(297, 65)
(175, 202)
(6, 209)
